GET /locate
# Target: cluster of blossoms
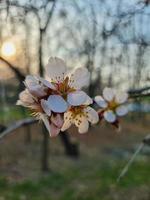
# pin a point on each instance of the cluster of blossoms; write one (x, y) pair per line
(59, 101)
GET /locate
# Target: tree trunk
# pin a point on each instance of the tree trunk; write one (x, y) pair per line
(45, 142)
(45, 150)
(71, 149)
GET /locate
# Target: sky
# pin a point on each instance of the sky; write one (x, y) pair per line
(59, 40)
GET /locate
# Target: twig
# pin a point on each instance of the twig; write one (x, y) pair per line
(146, 141)
(139, 96)
(16, 125)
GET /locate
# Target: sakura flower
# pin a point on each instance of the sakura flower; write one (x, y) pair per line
(67, 85)
(112, 104)
(49, 99)
(80, 116)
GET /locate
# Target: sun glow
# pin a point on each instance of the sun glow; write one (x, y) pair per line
(8, 49)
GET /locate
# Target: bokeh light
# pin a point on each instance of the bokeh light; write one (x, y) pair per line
(8, 49)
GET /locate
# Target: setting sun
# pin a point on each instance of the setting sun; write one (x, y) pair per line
(8, 49)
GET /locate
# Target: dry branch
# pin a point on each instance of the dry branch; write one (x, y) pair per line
(16, 125)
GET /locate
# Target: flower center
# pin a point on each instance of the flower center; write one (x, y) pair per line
(63, 88)
(112, 105)
(78, 110)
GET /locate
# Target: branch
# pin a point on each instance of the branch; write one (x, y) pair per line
(135, 91)
(139, 93)
(16, 125)
(15, 69)
(50, 15)
(139, 96)
(146, 141)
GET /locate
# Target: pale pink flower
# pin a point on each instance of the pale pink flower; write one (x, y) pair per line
(50, 98)
(66, 86)
(112, 104)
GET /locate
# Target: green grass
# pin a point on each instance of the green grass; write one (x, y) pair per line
(80, 183)
(12, 113)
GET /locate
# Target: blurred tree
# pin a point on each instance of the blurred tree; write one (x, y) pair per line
(110, 38)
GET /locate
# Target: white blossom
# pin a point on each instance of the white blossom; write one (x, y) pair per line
(67, 85)
(80, 116)
(112, 104)
(58, 94)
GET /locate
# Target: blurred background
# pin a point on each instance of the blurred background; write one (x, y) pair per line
(109, 37)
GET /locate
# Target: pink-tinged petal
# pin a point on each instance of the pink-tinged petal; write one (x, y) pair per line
(122, 110)
(33, 85)
(26, 99)
(57, 120)
(92, 115)
(121, 97)
(54, 130)
(56, 69)
(68, 120)
(76, 98)
(100, 101)
(108, 94)
(46, 107)
(110, 116)
(37, 91)
(80, 78)
(57, 103)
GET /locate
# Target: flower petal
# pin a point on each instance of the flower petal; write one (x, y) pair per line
(121, 97)
(54, 130)
(57, 120)
(82, 123)
(26, 99)
(48, 84)
(33, 85)
(108, 94)
(92, 115)
(100, 101)
(45, 107)
(110, 116)
(88, 100)
(76, 98)
(44, 118)
(122, 110)
(80, 78)
(68, 120)
(57, 103)
(30, 81)
(56, 69)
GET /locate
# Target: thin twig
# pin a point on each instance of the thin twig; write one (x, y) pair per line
(146, 141)
(16, 125)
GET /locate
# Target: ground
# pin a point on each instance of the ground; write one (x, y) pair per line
(93, 176)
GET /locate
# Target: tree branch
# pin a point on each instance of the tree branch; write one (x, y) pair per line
(15, 69)
(16, 125)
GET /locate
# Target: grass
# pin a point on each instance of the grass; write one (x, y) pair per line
(13, 113)
(92, 177)
(80, 182)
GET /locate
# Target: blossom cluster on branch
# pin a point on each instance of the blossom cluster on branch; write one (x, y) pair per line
(59, 101)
